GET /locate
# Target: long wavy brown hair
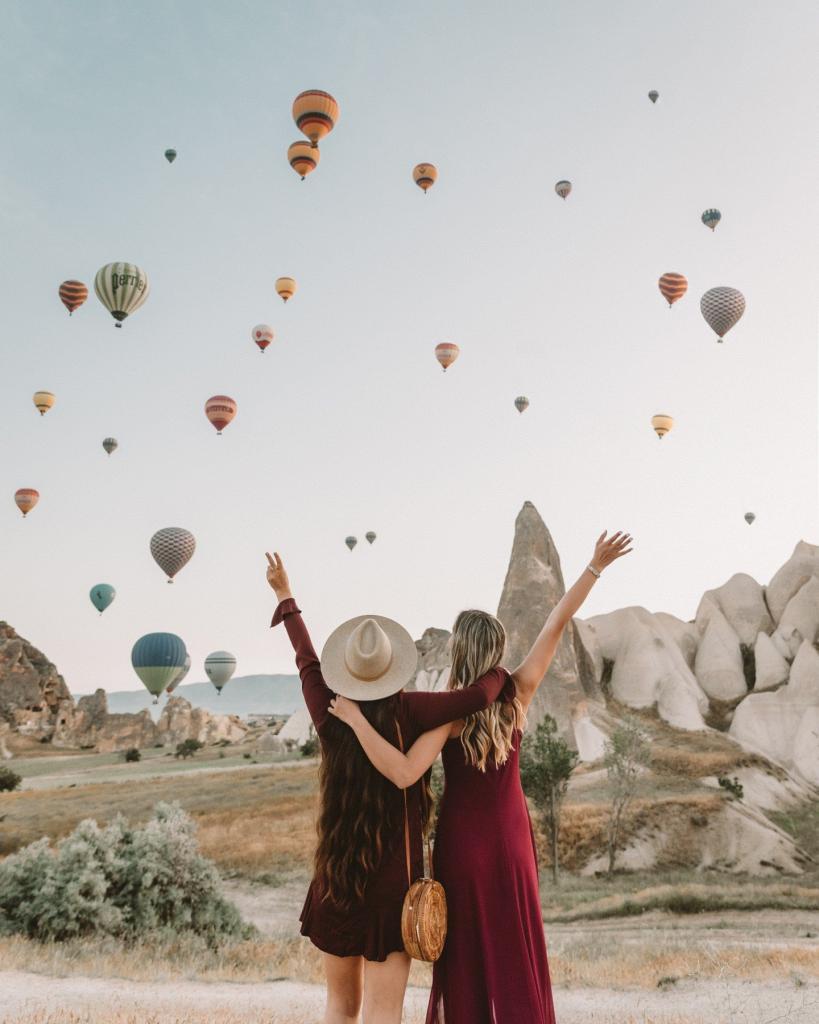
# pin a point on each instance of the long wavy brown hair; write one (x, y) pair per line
(361, 813)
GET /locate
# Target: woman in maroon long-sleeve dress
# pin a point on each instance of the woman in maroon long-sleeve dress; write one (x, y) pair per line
(353, 907)
(494, 968)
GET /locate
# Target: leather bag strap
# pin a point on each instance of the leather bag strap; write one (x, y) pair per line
(406, 817)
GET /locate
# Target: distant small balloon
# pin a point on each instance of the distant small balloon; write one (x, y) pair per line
(370, 536)
(43, 400)
(286, 287)
(220, 666)
(101, 596)
(172, 548)
(672, 287)
(170, 155)
(122, 288)
(157, 659)
(662, 423)
(722, 309)
(26, 498)
(749, 517)
(351, 542)
(563, 188)
(711, 218)
(446, 353)
(425, 176)
(316, 113)
(220, 410)
(303, 158)
(521, 403)
(262, 334)
(653, 95)
(72, 295)
(110, 444)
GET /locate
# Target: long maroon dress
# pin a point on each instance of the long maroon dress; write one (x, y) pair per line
(494, 968)
(373, 928)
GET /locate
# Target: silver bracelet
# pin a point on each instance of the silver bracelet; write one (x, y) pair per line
(593, 571)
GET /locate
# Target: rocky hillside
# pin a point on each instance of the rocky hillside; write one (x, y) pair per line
(37, 706)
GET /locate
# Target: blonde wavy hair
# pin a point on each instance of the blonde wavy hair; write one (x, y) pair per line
(477, 645)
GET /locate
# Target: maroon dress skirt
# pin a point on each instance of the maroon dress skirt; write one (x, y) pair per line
(372, 928)
(494, 968)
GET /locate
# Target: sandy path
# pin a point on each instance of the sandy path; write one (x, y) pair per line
(24, 995)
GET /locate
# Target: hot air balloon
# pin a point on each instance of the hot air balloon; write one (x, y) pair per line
(425, 176)
(72, 295)
(653, 95)
(370, 535)
(711, 218)
(101, 596)
(563, 188)
(315, 113)
(170, 155)
(749, 517)
(446, 353)
(303, 158)
(157, 659)
(220, 410)
(722, 308)
(180, 675)
(286, 287)
(121, 288)
(26, 498)
(662, 423)
(220, 666)
(262, 334)
(172, 548)
(110, 444)
(351, 542)
(673, 287)
(521, 403)
(43, 400)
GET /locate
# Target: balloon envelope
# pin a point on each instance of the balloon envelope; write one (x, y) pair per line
(315, 113)
(563, 188)
(157, 658)
(351, 542)
(662, 423)
(180, 675)
(749, 517)
(370, 536)
(711, 218)
(722, 308)
(220, 666)
(262, 334)
(72, 295)
(101, 596)
(122, 288)
(26, 498)
(303, 158)
(446, 353)
(172, 548)
(521, 403)
(43, 400)
(110, 444)
(653, 95)
(220, 410)
(170, 155)
(286, 287)
(425, 175)
(672, 287)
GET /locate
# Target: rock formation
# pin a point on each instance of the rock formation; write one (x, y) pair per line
(32, 692)
(181, 721)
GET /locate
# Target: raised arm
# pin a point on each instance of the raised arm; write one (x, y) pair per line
(534, 666)
(402, 769)
(317, 694)
(429, 710)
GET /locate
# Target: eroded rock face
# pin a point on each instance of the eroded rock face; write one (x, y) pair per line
(718, 665)
(433, 661)
(803, 563)
(31, 689)
(181, 721)
(742, 602)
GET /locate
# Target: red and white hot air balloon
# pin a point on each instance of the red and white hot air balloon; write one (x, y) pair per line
(446, 353)
(672, 287)
(220, 410)
(25, 499)
(262, 334)
(72, 295)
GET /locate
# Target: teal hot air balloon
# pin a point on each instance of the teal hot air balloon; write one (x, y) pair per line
(102, 595)
(170, 155)
(157, 659)
(711, 218)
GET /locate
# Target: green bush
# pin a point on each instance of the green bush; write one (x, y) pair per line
(132, 754)
(310, 747)
(187, 748)
(733, 786)
(117, 880)
(9, 780)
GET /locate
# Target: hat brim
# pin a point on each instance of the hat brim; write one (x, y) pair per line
(401, 669)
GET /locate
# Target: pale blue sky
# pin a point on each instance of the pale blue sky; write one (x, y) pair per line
(347, 423)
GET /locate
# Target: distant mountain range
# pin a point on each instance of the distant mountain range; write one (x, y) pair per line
(243, 695)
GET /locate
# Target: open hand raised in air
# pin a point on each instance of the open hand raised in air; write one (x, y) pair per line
(606, 550)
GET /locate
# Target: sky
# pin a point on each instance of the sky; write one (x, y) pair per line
(346, 423)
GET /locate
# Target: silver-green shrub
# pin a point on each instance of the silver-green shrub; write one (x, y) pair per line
(117, 880)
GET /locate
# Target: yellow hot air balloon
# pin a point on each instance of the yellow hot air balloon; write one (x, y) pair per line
(286, 287)
(43, 400)
(662, 423)
(425, 175)
(315, 113)
(303, 158)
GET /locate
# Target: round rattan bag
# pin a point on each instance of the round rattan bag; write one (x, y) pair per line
(423, 920)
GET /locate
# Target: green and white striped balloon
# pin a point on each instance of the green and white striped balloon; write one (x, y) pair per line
(121, 288)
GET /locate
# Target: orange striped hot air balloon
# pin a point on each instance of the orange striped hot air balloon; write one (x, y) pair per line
(286, 287)
(446, 353)
(25, 499)
(303, 158)
(673, 287)
(220, 410)
(315, 113)
(425, 176)
(72, 295)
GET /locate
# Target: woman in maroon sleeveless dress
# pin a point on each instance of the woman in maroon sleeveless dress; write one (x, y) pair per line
(494, 968)
(353, 907)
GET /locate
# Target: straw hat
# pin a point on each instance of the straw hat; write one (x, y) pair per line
(368, 657)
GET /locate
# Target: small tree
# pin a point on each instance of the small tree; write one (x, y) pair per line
(626, 752)
(133, 754)
(546, 765)
(310, 747)
(9, 780)
(187, 748)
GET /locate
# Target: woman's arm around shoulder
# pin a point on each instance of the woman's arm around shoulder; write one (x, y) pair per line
(429, 709)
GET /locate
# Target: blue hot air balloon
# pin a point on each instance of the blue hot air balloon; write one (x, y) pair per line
(157, 659)
(102, 595)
